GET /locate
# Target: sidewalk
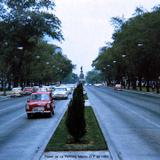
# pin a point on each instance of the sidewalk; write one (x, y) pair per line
(141, 92)
(79, 155)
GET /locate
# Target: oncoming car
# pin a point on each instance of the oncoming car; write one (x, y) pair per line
(60, 93)
(40, 103)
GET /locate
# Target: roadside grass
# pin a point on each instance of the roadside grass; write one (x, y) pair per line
(93, 140)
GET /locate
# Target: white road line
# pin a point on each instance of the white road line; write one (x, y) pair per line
(12, 120)
(142, 117)
(10, 107)
(146, 119)
(130, 110)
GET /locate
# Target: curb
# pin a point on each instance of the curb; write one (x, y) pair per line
(114, 154)
(39, 153)
(103, 131)
(139, 92)
(142, 93)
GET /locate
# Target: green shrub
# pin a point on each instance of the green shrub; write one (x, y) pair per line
(75, 121)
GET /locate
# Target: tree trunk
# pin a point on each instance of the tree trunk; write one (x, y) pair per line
(157, 86)
(129, 84)
(134, 84)
(140, 84)
(147, 87)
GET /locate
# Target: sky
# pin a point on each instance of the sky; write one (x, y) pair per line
(86, 26)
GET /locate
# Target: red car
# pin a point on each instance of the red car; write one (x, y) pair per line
(27, 90)
(40, 102)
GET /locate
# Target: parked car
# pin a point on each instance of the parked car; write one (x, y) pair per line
(16, 92)
(60, 93)
(27, 90)
(118, 87)
(40, 103)
(98, 84)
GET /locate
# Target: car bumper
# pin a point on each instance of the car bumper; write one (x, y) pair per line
(60, 97)
(34, 112)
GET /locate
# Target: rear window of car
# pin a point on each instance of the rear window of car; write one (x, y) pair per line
(60, 89)
(16, 89)
(40, 97)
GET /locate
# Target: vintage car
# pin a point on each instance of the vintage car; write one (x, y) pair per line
(27, 90)
(40, 103)
(60, 93)
(16, 92)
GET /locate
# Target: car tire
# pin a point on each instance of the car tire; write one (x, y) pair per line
(29, 116)
(50, 114)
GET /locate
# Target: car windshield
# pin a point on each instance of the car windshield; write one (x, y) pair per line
(27, 88)
(60, 89)
(40, 97)
(16, 89)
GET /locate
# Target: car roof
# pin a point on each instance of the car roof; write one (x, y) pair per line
(16, 88)
(41, 93)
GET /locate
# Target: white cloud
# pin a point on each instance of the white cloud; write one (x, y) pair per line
(86, 25)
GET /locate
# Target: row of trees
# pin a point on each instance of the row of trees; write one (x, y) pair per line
(94, 76)
(25, 56)
(134, 54)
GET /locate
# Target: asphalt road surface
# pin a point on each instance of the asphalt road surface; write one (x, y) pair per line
(130, 122)
(20, 138)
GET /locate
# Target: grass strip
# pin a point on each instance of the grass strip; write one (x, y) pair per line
(85, 97)
(93, 140)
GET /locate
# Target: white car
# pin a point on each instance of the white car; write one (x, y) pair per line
(60, 93)
(118, 87)
(16, 92)
(98, 84)
(45, 89)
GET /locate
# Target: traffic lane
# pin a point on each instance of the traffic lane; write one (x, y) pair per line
(144, 97)
(131, 136)
(22, 138)
(148, 106)
(8, 102)
(11, 110)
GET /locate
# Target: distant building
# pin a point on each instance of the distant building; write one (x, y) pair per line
(81, 76)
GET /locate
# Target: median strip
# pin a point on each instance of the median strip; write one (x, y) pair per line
(92, 145)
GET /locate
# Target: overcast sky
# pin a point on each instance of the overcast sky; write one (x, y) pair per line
(86, 25)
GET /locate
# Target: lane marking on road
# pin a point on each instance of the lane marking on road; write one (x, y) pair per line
(10, 107)
(12, 120)
(134, 112)
(146, 119)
